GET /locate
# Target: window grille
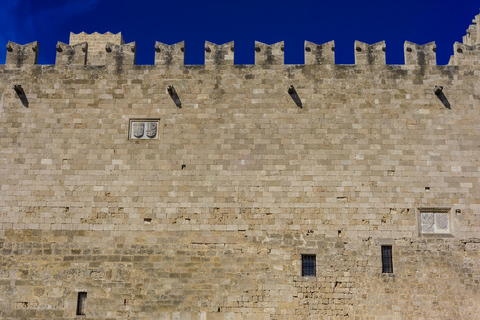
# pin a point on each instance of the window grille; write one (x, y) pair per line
(387, 263)
(308, 265)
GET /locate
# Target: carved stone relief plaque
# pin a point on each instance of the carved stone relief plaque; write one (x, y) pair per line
(441, 223)
(436, 222)
(151, 129)
(138, 129)
(427, 221)
(143, 129)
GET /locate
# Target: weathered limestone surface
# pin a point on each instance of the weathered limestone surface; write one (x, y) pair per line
(170, 55)
(71, 54)
(319, 54)
(19, 55)
(97, 45)
(203, 212)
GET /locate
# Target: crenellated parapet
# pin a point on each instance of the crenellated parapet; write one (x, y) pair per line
(97, 42)
(468, 52)
(464, 54)
(269, 54)
(109, 49)
(219, 54)
(420, 54)
(319, 53)
(473, 33)
(114, 54)
(169, 55)
(71, 54)
(119, 55)
(370, 54)
(20, 55)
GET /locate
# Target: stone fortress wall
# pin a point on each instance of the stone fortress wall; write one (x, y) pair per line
(174, 191)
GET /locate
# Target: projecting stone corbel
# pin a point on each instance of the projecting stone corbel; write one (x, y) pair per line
(438, 90)
(294, 95)
(18, 89)
(173, 94)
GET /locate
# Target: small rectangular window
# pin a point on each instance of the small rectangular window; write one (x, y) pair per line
(82, 297)
(308, 265)
(387, 263)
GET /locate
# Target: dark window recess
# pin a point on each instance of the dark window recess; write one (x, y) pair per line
(308, 265)
(387, 264)
(82, 298)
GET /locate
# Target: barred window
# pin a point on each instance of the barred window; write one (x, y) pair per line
(308, 265)
(387, 263)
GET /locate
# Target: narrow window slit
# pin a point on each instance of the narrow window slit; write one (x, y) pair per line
(82, 297)
(387, 261)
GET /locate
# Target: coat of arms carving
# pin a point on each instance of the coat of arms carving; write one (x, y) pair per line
(434, 221)
(138, 129)
(151, 129)
(143, 129)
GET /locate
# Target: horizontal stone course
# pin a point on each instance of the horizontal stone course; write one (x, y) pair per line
(251, 167)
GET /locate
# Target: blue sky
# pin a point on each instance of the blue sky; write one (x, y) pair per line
(319, 21)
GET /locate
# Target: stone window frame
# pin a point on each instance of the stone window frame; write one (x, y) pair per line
(435, 210)
(130, 127)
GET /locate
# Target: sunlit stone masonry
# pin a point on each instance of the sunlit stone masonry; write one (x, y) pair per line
(239, 192)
